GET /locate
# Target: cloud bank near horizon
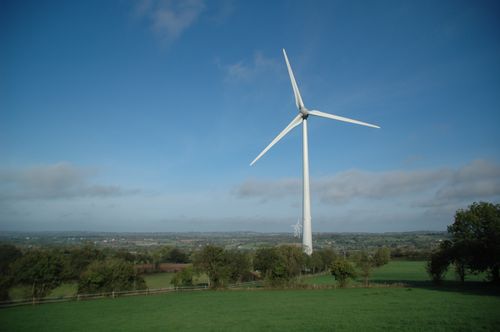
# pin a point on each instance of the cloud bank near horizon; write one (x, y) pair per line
(64, 196)
(62, 180)
(477, 180)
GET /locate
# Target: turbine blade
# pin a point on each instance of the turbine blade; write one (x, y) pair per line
(340, 118)
(296, 92)
(295, 122)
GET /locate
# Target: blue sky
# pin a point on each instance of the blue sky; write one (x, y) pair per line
(145, 115)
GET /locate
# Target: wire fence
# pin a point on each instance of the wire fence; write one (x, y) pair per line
(116, 294)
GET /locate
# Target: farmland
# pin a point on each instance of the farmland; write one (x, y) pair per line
(293, 310)
(407, 272)
(450, 307)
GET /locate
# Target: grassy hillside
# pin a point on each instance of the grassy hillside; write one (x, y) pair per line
(470, 307)
(354, 309)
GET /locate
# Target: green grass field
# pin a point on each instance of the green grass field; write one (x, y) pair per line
(158, 280)
(409, 272)
(452, 307)
(354, 309)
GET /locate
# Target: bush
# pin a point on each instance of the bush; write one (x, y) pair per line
(342, 270)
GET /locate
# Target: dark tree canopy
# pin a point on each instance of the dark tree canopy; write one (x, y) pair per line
(40, 269)
(280, 265)
(8, 255)
(474, 244)
(213, 261)
(110, 275)
(382, 256)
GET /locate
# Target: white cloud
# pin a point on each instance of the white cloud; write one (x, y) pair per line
(170, 18)
(245, 70)
(61, 180)
(477, 180)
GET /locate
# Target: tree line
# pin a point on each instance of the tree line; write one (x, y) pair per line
(278, 266)
(94, 270)
(97, 271)
(474, 247)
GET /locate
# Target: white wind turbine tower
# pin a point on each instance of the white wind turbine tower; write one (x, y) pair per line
(302, 118)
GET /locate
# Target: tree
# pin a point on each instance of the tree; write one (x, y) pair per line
(328, 256)
(265, 259)
(476, 239)
(321, 260)
(439, 262)
(293, 259)
(281, 265)
(178, 256)
(213, 261)
(342, 270)
(77, 259)
(315, 262)
(239, 266)
(184, 277)
(365, 263)
(382, 256)
(40, 269)
(125, 255)
(108, 276)
(8, 255)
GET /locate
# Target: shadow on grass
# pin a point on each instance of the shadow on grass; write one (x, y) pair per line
(467, 287)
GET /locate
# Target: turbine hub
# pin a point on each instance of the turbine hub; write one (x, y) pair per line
(304, 111)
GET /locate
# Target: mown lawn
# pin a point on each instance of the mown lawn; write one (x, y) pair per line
(352, 309)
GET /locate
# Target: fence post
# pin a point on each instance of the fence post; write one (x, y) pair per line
(78, 297)
(113, 294)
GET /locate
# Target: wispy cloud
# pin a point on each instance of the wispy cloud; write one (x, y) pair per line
(244, 70)
(169, 19)
(61, 180)
(222, 11)
(477, 180)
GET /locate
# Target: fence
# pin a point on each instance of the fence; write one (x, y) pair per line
(81, 297)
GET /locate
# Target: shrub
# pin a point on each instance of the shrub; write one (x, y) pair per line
(343, 270)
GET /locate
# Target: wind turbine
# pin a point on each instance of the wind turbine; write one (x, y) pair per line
(301, 118)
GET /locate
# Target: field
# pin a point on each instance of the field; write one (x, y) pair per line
(356, 309)
(156, 280)
(451, 307)
(408, 272)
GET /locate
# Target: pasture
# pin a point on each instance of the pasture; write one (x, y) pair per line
(416, 307)
(351, 309)
(451, 307)
(397, 271)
